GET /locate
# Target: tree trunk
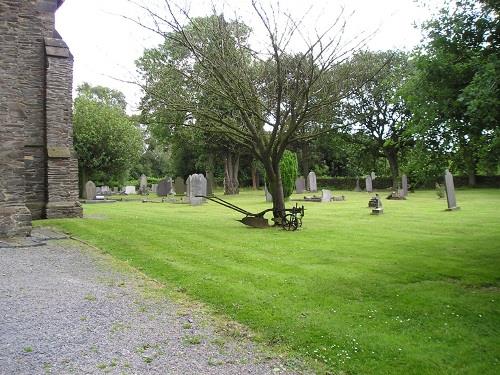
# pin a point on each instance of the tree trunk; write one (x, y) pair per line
(82, 180)
(392, 157)
(231, 169)
(306, 166)
(471, 165)
(276, 189)
(209, 171)
(255, 180)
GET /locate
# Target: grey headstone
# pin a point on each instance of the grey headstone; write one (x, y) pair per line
(326, 195)
(197, 186)
(450, 191)
(300, 185)
(357, 188)
(154, 188)
(98, 190)
(143, 184)
(164, 187)
(90, 190)
(130, 189)
(269, 197)
(404, 184)
(311, 182)
(369, 187)
(180, 186)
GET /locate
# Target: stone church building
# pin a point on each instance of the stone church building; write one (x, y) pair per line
(38, 167)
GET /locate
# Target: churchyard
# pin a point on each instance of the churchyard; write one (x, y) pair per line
(414, 290)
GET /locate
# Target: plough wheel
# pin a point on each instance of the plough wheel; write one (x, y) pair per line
(290, 222)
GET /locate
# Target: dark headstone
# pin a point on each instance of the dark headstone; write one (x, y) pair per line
(180, 186)
(376, 205)
(450, 191)
(164, 187)
(300, 185)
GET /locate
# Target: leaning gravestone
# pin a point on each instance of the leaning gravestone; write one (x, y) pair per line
(269, 197)
(180, 186)
(164, 187)
(450, 191)
(357, 188)
(326, 195)
(369, 187)
(90, 190)
(197, 186)
(300, 185)
(311, 182)
(404, 184)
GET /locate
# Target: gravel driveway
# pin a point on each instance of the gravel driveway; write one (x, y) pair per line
(66, 308)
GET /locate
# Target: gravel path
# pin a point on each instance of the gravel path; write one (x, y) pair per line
(66, 308)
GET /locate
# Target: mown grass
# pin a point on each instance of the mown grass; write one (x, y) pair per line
(415, 290)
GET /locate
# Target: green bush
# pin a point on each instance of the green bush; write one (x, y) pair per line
(289, 169)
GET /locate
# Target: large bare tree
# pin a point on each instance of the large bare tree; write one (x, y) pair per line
(270, 94)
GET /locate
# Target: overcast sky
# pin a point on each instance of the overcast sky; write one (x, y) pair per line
(105, 45)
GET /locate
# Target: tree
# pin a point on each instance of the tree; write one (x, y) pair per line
(107, 142)
(455, 90)
(377, 109)
(289, 170)
(272, 94)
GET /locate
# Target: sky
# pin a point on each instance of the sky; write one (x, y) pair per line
(105, 44)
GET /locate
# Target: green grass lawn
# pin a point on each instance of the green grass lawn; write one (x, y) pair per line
(415, 290)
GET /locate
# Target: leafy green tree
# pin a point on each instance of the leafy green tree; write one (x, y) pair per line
(455, 92)
(106, 140)
(376, 110)
(289, 169)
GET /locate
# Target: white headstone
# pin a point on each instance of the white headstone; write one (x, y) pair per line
(130, 189)
(326, 195)
(369, 187)
(311, 182)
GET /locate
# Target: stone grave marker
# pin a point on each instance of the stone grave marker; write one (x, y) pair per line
(154, 188)
(197, 185)
(369, 187)
(357, 188)
(164, 187)
(326, 195)
(180, 186)
(311, 182)
(300, 185)
(404, 184)
(269, 197)
(98, 190)
(90, 190)
(210, 183)
(130, 189)
(450, 191)
(143, 184)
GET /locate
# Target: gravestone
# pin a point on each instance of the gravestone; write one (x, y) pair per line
(300, 185)
(311, 182)
(143, 184)
(450, 191)
(368, 182)
(404, 184)
(357, 188)
(376, 205)
(197, 185)
(130, 189)
(98, 190)
(164, 187)
(115, 190)
(326, 195)
(90, 190)
(180, 186)
(269, 197)
(210, 183)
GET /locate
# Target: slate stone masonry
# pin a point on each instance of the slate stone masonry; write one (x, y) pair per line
(38, 168)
